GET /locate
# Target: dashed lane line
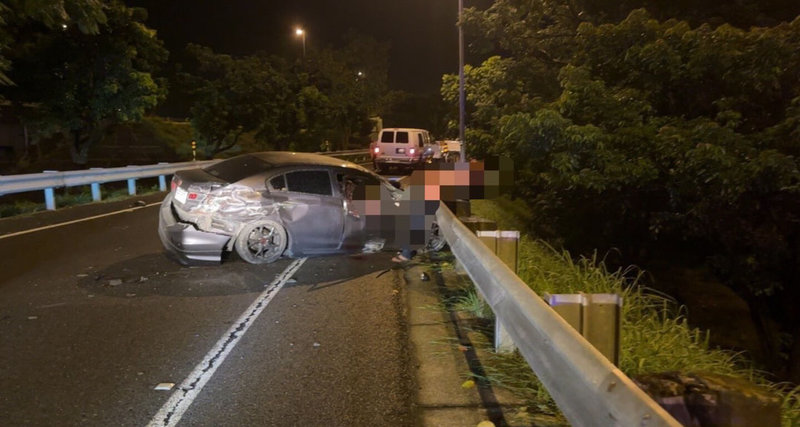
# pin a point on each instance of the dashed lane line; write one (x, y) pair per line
(182, 398)
(61, 224)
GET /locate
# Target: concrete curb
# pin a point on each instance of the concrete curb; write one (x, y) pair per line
(441, 368)
(440, 398)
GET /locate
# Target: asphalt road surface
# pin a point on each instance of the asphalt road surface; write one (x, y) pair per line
(94, 316)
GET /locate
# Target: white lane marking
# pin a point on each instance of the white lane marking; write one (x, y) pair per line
(47, 227)
(182, 398)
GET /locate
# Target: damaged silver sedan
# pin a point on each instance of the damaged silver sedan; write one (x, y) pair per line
(267, 205)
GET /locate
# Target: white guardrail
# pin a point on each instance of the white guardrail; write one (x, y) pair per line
(585, 385)
(50, 180)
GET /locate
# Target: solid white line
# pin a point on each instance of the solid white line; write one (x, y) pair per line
(182, 398)
(47, 227)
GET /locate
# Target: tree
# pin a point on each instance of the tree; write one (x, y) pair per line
(425, 111)
(666, 137)
(493, 89)
(86, 15)
(80, 83)
(234, 96)
(329, 96)
(354, 79)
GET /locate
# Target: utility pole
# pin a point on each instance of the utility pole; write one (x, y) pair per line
(461, 96)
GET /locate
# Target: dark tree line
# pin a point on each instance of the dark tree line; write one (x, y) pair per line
(71, 70)
(330, 95)
(667, 131)
(76, 67)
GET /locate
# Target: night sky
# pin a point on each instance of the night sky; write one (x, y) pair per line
(422, 33)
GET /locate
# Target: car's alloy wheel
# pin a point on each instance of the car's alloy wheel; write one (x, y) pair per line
(436, 241)
(261, 242)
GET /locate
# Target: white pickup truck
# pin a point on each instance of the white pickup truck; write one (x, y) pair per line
(447, 151)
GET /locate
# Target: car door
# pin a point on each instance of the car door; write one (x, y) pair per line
(361, 200)
(311, 211)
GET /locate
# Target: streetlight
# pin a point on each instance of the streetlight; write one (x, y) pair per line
(299, 32)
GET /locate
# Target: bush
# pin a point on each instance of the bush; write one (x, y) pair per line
(655, 335)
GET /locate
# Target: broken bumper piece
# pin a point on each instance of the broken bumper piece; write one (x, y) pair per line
(185, 242)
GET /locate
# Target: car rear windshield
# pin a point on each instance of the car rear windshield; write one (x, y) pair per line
(238, 168)
(387, 136)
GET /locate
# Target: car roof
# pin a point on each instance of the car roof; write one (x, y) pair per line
(289, 158)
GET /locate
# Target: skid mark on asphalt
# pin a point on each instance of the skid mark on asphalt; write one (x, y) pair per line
(182, 398)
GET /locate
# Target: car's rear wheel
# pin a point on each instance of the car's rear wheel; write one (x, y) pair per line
(261, 242)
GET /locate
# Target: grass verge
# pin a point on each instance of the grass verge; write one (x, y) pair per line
(71, 196)
(655, 336)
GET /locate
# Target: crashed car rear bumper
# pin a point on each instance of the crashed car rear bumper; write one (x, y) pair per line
(184, 241)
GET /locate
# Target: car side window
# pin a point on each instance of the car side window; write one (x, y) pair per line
(358, 187)
(419, 139)
(278, 183)
(312, 182)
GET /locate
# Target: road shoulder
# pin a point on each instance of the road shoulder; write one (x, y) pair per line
(444, 358)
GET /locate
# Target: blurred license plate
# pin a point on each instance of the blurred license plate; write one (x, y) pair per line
(180, 195)
(401, 151)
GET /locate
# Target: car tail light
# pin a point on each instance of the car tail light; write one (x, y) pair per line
(412, 151)
(377, 150)
(175, 183)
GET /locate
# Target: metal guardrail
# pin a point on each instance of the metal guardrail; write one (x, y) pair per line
(50, 180)
(587, 388)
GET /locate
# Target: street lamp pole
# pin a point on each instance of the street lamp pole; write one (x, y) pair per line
(461, 96)
(301, 33)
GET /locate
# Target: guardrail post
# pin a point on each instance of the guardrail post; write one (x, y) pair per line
(595, 316)
(96, 195)
(489, 238)
(49, 196)
(162, 181)
(569, 307)
(460, 207)
(132, 186)
(508, 249)
(49, 199)
(505, 245)
(601, 322)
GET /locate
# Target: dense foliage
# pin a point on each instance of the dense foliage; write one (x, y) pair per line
(654, 136)
(73, 69)
(79, 67)
(328, 96)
